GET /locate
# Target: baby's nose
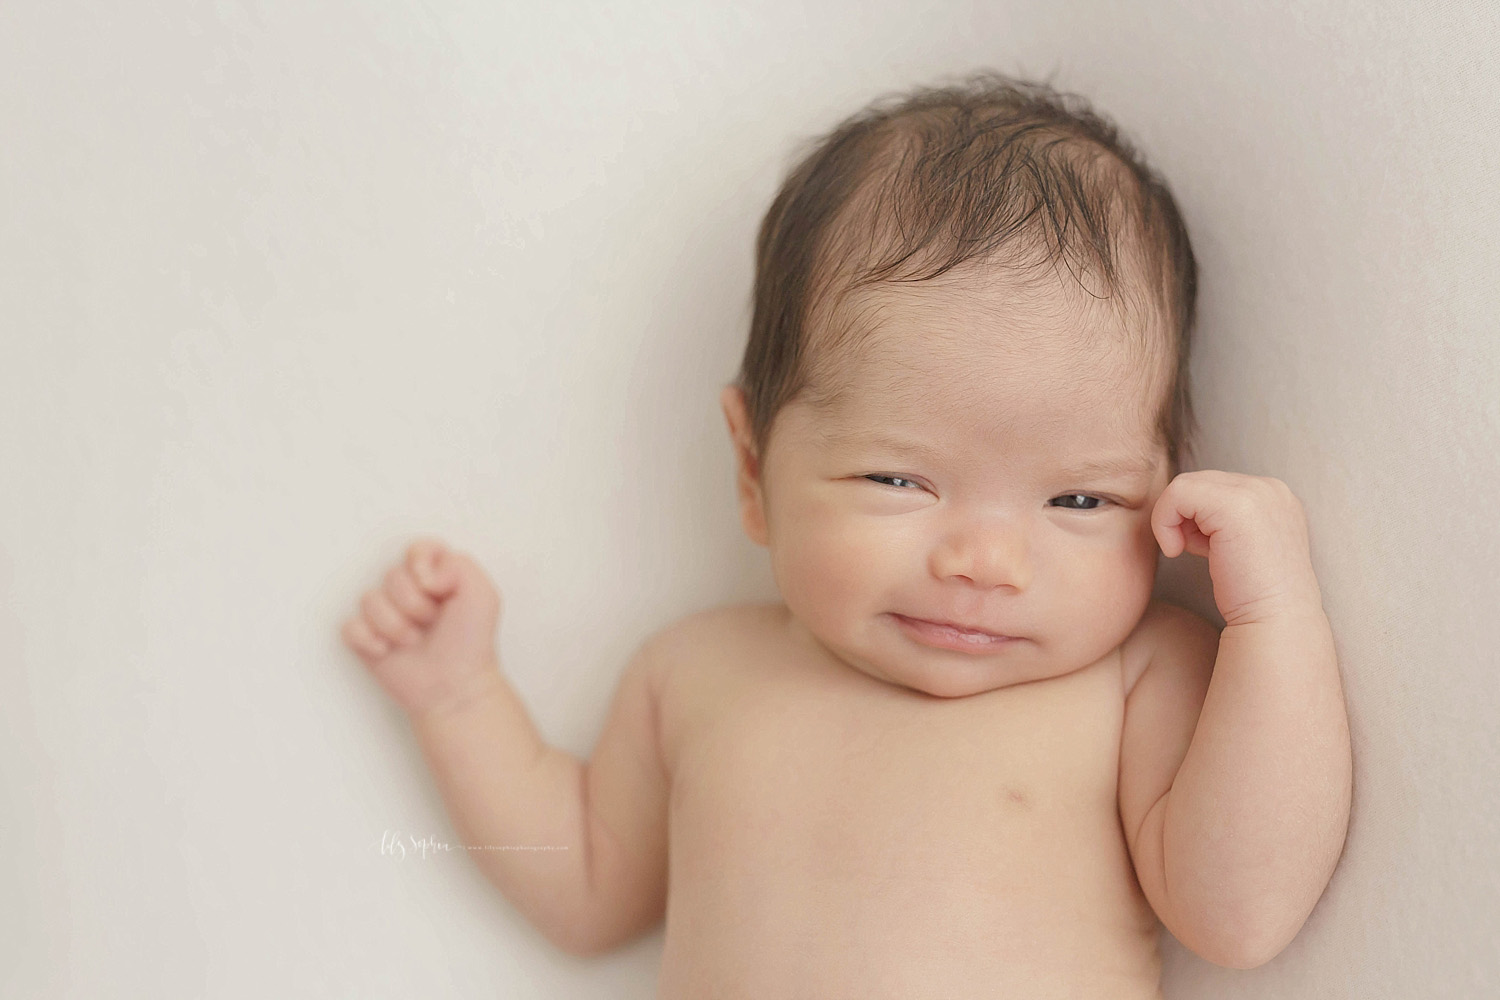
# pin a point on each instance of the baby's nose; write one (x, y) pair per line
(987, 552)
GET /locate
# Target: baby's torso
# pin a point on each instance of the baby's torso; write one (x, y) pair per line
(834, 836)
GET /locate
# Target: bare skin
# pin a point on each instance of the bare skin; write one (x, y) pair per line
(834, 835)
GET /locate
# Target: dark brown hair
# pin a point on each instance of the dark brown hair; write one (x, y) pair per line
(988, 170)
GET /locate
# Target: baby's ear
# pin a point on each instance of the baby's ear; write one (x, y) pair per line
(747, 463)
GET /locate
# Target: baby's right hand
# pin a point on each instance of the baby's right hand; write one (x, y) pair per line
(428, 632)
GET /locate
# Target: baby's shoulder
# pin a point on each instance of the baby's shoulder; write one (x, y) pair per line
(713, 633)
(698, 663)
(1163, 626)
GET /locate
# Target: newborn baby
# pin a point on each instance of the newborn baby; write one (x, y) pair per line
(966, 754)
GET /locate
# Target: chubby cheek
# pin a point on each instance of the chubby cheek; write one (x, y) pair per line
(1119, 584)
(1130, 573)
(832, 569)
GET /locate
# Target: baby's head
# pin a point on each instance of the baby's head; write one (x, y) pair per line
(968, 302)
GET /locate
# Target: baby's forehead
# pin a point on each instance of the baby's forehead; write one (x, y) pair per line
(964, 336)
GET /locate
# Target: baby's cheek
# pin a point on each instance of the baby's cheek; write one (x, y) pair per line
(833, 568)
(1092, 598)
(1120, 585)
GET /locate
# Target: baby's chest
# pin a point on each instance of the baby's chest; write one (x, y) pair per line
(985, 827)
(922, 788)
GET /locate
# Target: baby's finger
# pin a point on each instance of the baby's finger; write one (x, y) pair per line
(386, 621)
(1193, 540)
(422, 559)
(1169, 534)
(362, 639)
(407, 596)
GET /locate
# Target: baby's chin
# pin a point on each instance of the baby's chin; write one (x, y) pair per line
(960, 679)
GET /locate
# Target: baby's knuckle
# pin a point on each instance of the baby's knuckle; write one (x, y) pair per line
(413, 554)
(1238, 501)
(383, 611)
(1241, 497)
(359, 635)
(423, 548)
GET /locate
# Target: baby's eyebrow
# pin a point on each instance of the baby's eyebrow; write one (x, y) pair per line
(888, 442)
(1123, 465)
(1132, 464)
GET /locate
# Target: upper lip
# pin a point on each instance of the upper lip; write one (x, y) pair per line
(961, 625)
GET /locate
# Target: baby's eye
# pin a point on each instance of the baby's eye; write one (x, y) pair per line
(1081, 498)
(896, 481)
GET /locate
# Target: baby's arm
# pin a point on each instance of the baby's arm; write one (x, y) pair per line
(1235, 770)
(604, 880)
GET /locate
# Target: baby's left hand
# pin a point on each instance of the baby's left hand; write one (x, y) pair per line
(1254, 533)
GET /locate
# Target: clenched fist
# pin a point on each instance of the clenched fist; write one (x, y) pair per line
(1253, 531)
(427, 633)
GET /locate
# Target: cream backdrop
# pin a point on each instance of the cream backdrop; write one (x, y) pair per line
(286, 285)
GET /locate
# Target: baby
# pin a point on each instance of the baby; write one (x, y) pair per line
(966, 755)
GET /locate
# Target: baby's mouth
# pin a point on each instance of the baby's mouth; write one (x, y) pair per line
(950, 635)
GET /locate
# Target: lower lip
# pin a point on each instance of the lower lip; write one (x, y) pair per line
(947, 637)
